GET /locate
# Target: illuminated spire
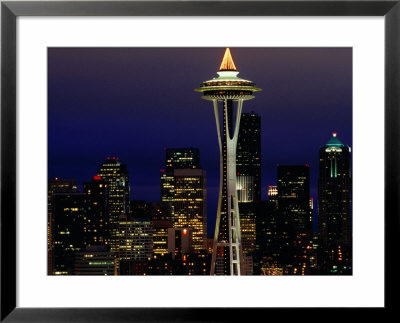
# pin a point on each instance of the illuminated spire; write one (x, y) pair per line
(227, 63)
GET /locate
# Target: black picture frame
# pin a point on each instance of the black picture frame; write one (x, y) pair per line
(11, 10)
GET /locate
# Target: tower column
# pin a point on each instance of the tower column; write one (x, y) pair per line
(229, 90)
(227, 238)
(217, 245)
(235, 244)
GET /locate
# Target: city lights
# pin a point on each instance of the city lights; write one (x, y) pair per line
(160, 184)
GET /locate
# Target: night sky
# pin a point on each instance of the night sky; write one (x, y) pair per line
(133, 103)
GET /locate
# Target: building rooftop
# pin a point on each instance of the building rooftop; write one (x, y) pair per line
(334, 141)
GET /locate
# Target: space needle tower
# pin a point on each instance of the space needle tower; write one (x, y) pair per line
(227, 93)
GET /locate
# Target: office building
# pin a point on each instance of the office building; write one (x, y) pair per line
(248, 226)
(183, 189)
(176, 158)
(248, 181)
(135, 239)
(294, 196)
(296, 224)
(116, 176)
(334, 206)
(67, 229)
(182, 158)
(161, 223)
(94, 261)
(96, 219)
(271, 239)
(54, 185)
(248, 158)
(190, 204)
(180, 241)
(140, 209)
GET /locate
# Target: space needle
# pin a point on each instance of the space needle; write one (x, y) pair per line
(227, 92)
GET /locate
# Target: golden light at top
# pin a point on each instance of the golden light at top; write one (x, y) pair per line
(227, 63)
(227, 85)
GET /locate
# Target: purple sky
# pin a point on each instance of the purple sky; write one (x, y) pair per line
(133, 102)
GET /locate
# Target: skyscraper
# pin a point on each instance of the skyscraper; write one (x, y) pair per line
(334, 206)
(180, 241)
(294, 196)
(190, 204)
(183, 187)
(270, 239)
(176, 158)
(54, 185)
(294, 208)
(180, 158)
(167, 188)
(135, 239)
(248, 177)
(248, 226)
(96, 220)
(248, 158)
(231, 90)
(116, 176)
(67, 229)
(161, 223)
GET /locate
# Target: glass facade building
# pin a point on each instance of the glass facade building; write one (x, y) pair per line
(116, 176)
(296, 222)
(96, 219)
(190, 204)
(334, 206)
(67, 229)
(248, 158)
(135, 239)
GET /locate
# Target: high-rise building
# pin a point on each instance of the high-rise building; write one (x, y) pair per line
(190, 204)
(58, 185)
(271, 251)
(231, 91)
(248, 181)
(245, 188)
(135, 239)
(183, 188)
(96, 219)
(54, 185)
(334, 206)
(116, 176)
(248, 158)
(176, 158)
(294, 196)
(294, 208)
(140, 209)
(248, 226)
(161, 223)
(180, 158)
(180, 241)
(167, 187)
(67, 229)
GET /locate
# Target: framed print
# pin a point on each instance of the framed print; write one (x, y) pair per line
(151, 149)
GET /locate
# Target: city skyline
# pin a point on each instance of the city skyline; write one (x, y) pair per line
(306, 96)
